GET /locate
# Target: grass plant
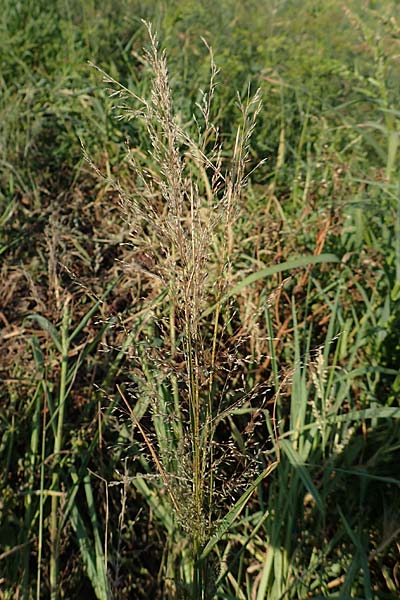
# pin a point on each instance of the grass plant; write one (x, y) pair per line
(186, 205)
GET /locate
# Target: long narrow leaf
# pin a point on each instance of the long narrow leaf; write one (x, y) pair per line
(232, 515)
(289, 265)
(49, 327)
(301, 469)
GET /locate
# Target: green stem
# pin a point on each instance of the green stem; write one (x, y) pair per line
(197, 467)
(41, 497)
(174, 381)
(28, 501)
(54, 532)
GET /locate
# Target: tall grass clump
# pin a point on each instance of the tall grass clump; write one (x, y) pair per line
(180, 212)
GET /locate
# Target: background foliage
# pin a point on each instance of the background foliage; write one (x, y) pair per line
(314, 350)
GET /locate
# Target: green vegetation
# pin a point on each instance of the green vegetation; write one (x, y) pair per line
(199, 299)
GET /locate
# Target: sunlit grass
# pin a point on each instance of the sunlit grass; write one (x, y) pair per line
(199, 349)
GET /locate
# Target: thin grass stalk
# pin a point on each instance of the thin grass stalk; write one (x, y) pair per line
(28, 500)
(208, 424)
(153, 453)
(172, 328)
(194, 402)
(54, 528)
(41, 496)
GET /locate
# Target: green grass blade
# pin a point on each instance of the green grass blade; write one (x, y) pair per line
(49, 327)
(362, 557)
(84, 321)
(232, 515)
(92, 553)
(301, 469)
(289, 265)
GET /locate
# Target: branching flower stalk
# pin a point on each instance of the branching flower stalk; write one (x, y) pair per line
(185, 203)
(54, 516)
